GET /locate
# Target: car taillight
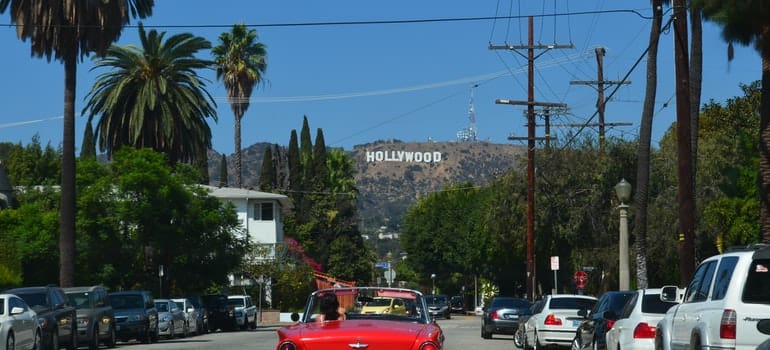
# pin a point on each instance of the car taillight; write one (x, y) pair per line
(494, 315)
(287, 345)
(727, 325)
(552, 320)
(644, 331)
(610, 323)
(429, 346)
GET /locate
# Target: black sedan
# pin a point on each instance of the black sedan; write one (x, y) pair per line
(591, 334)
(502, 316)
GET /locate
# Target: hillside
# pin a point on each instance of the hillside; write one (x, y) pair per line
(391, 175)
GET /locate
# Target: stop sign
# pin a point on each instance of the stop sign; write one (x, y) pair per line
(581, 278)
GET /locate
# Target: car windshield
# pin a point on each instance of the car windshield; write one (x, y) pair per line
(571, 304)
(237, 302)
(435, 299)
(35, 300)
(651, 304)
(80, 300)
(162, 307)
(180, 304)
(126, 302)
(509, 303)
(392, 304)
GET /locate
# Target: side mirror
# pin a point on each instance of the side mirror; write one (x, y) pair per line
(583, 313)
(670, 294)
(294, 317)
(17, 310)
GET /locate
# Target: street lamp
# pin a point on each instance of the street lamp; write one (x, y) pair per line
(433, 281)
(160, 281)
(623, 191)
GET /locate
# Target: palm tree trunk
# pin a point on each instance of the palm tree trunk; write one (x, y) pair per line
(764, 149)
(238, 171)
(67, 210)
(641, 198)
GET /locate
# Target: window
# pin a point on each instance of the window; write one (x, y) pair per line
(701, 282)
(263, 211)
(724, 273)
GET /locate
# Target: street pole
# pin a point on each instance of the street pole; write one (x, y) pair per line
(623, 190)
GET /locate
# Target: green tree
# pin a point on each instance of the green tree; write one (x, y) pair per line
(88, 149)
(241, 62)
(320, 173)
(223, 171)
(745, 23)
(267, 177)
(153, 97)
(33, 164)
(70, 30)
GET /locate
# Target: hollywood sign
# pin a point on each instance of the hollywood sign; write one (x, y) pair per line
(403, 156)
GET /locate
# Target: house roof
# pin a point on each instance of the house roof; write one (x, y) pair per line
(242, 193)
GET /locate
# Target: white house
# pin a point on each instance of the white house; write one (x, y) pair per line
(260, 213)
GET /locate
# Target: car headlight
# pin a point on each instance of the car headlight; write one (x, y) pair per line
(287, 345)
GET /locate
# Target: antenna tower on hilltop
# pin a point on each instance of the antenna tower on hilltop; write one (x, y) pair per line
(469, 134)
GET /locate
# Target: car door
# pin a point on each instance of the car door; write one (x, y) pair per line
(535, 318)
(586, 329)
(690, 311)
(24, 322)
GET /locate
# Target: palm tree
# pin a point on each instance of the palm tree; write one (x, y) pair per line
(152, 97)
(69, 30)
(241, 62)
(748, 22)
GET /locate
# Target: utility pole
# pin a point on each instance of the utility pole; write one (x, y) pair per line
(530, 103)
(545, 113)
(683, 134)
(600, 83)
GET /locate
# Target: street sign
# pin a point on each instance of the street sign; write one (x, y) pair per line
(581, 278)
(383, 265)
(555, 263)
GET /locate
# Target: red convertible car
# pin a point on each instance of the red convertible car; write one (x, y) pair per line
(409, 329)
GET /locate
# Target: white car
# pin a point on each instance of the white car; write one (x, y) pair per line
(245, 310)
(557, 321)
(190, 314)
(19, 327)
(635, 327)
(725, 306)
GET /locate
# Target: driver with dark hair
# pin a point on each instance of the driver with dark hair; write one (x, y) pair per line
(330, 308)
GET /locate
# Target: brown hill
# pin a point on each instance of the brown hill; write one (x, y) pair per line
(392, 175)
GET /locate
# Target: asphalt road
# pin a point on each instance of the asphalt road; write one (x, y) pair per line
(461, 332)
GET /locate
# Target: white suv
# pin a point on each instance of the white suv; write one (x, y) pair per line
(725, 306)
(245, 310)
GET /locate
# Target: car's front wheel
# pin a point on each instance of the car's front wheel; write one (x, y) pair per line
(10, 341)
(111, 338)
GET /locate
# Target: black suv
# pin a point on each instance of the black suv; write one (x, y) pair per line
(55, 314)
(135, 315)
(96, 319)
(592, 332)
(221, 313)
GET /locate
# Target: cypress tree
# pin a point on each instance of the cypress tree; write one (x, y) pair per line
(223, 171)
(202, 163)
(295, 165)
(306, 147)
(267, 174)
(279, 167)
(88, 148)
(320, 174)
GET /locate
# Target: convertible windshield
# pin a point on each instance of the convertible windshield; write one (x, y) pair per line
(371, 303)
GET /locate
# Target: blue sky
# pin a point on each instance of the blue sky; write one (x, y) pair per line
(410, 81)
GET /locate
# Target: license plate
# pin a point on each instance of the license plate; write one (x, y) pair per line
(576, 323)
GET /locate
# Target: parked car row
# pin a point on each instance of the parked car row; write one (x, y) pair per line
(49, 317)
(725, 306)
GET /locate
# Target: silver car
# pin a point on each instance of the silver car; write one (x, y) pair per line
(171, 319)
(19, 327)
(190, 314)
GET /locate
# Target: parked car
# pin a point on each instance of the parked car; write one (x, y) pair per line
(190, 314)
(635, 327)
(412, 331)
(502, 316)
(221, 313)
(135, 316)
(19, 327)
(592, 332)
(725, 306)
(245, 311)
(203, 317)
(171, 319)
(557, 321)
(96, 319)
(384, 305)
(438, 306)
(56, 316)
(457, 304)
(518, 337)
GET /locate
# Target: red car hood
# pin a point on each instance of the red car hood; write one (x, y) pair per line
(359, 334)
